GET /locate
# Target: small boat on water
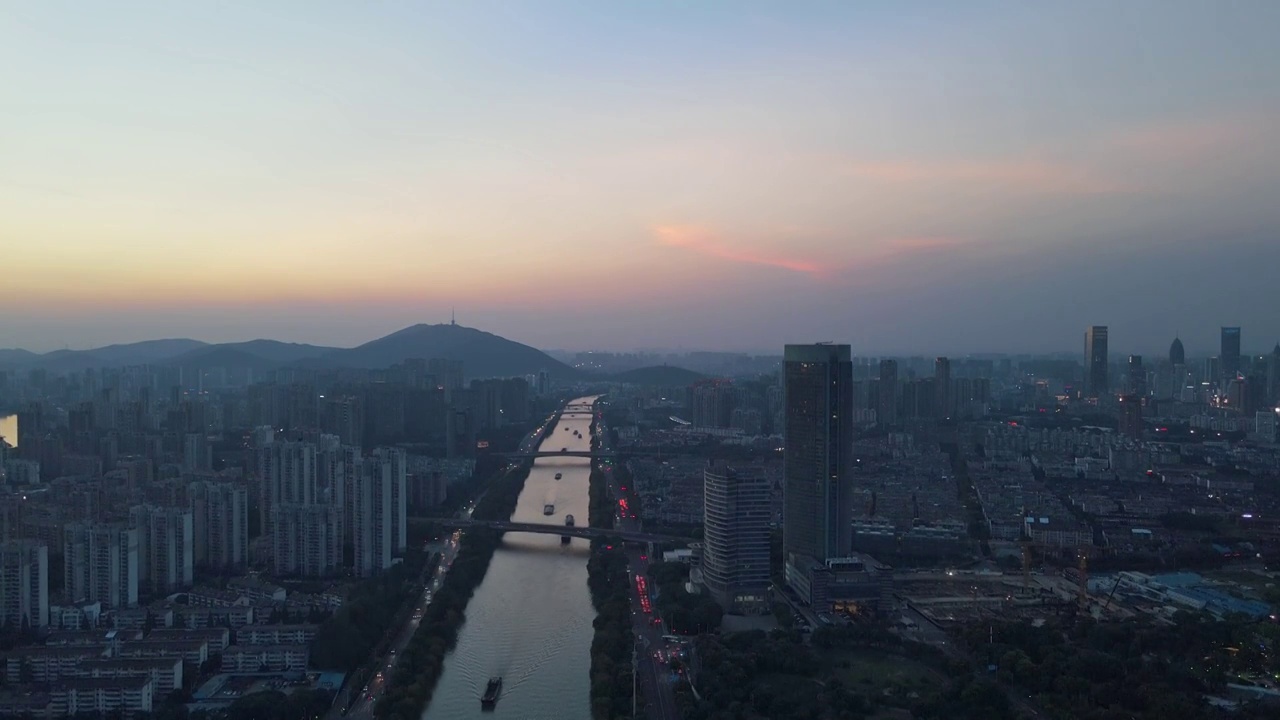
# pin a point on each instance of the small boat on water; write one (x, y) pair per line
(548, 509)
(491, 692)
(568, 522)
(559, 475)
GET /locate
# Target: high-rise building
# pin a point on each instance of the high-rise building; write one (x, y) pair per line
(332, 460)
(166, 552)
(944, 405)
(398, 513)
(711, 403)
(220, 524)
(735, 559)
(817, 459)
(305, 540)
(887, 400)
(1095, 361)
(1177, 355)
(100, 564)
(1230, 354)
(286, 476)
(1273, 377)
(1136, 380)
(448, 374)
(196, 453)
(1131, 416)
(371, 526)
(24, 584)
(1213, 371)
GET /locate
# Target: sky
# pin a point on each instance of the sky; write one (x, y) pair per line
(905, 177)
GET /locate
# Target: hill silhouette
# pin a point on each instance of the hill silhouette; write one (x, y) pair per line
(482, 354)
(659, 375)
(256, 355)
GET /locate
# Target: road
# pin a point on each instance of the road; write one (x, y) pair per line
(656, 688)
(363, 707)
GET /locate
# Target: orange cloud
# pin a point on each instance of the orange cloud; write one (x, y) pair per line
(706, 242)
(1017, 175)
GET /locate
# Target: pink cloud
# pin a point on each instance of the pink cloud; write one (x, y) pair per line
(1026, 175)
(1193, 139)
(706, 242)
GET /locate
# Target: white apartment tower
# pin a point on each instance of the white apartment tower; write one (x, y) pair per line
(398, 461)
(166, 553)
(220, 524)
(305, 540)
(24, 584)
(101, 564)
(371, 526)
(286, 474)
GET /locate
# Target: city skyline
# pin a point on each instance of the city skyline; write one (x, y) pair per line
(943, 180)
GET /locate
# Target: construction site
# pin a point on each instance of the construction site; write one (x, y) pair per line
(951, 598)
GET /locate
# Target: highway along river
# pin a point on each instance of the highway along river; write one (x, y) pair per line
(530, 620)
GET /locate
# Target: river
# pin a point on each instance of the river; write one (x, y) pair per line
(530, 620)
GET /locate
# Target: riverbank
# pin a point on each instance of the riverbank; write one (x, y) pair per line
(420, 665)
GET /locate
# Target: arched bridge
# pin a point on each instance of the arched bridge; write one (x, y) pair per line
(562, 530)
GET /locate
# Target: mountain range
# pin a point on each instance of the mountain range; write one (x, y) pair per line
(482, 354)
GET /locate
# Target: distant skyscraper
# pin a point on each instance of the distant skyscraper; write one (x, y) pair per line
(1213, 370)
(1131, 416)
(448, 374)
(1095, 361)
(817, 461)
(24, 584)
(887, 400)
(1137, 377)
(735, 559)
(711, 403)
(1230, 354)
(1273, 376)
(942, 388)
(1177, 355)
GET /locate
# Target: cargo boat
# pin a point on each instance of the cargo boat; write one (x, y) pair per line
(491, 692)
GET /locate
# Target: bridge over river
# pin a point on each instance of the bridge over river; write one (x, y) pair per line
(565, 531)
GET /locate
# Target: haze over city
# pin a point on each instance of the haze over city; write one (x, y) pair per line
(971, 177)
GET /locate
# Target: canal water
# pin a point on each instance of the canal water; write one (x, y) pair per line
(530, 620)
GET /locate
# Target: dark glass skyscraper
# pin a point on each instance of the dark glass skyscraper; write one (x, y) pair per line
(1230, 354)
(1177, 355)
(817, 461)
(1136, 381)
(942, 387)
(1095, 361)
